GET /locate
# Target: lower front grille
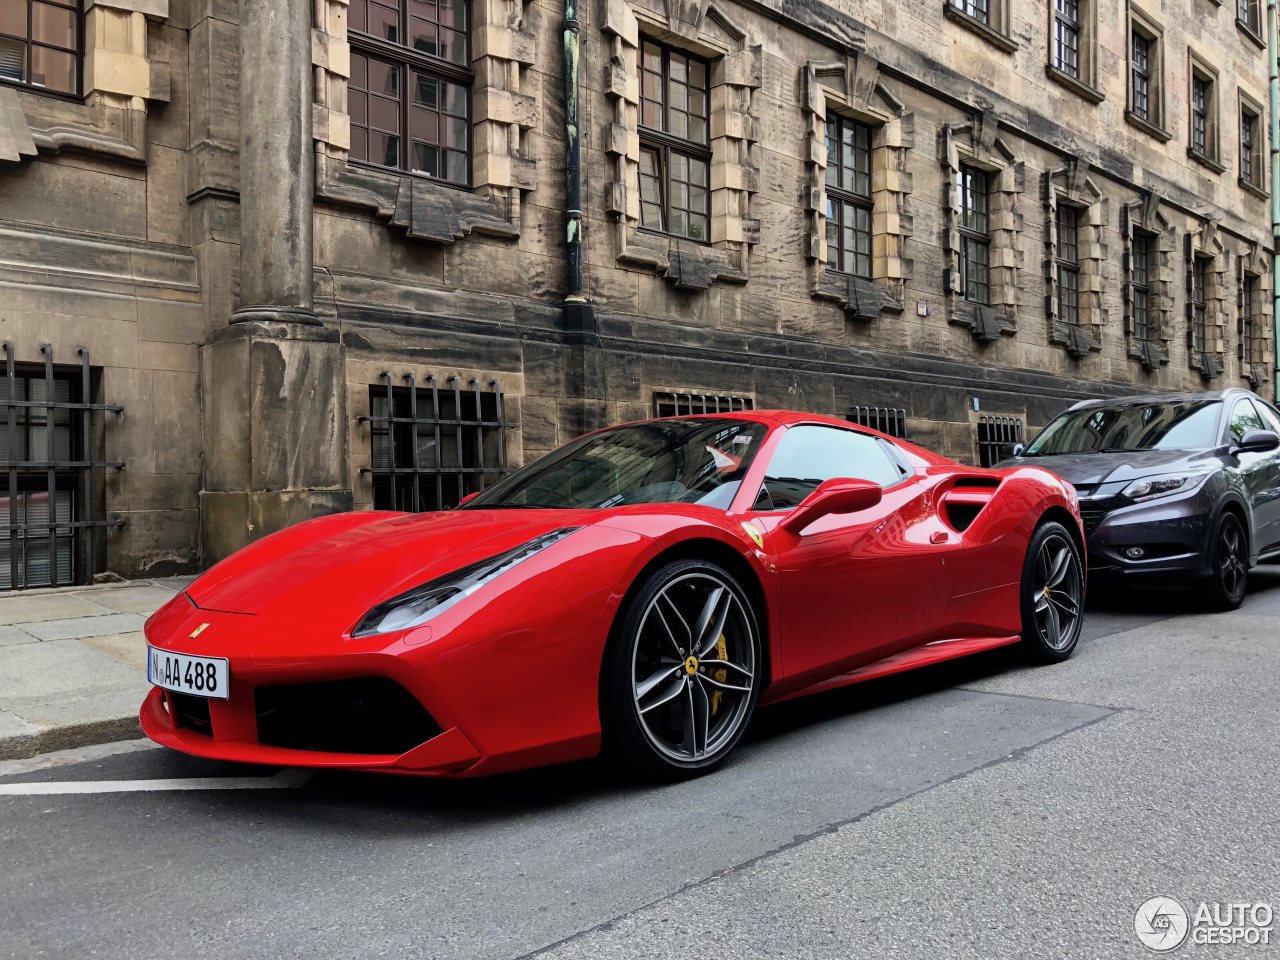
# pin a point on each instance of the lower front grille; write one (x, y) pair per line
(189, 712)
(373, 715)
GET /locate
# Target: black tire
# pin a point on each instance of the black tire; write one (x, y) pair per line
(697, 694)
(1228, 552)
(1052, 594)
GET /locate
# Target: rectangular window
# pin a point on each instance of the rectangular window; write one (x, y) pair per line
(41, 44)
(980, 10)
(675, 156)
(849, 202)
(1199, 282)
(410, 88)
(975, 235)
(1140, 273)
(996, 437)
(1249, 16)
(1068, 263)
(1201, 94)
(1140, 77)
(888, 420)
(1066, 37)
(1245, 307)
(431, 447)
(1250, 148)
(688, 404)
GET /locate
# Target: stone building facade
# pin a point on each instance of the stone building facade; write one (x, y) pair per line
(272, 259)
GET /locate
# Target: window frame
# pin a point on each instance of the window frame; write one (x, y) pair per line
(900, 464)
(1200, 73)
(1140, 270)
(837, 196)
(974, 237)
(1246, 295)
(1069, 25)
(1251, 21)
(77, 7)
(1137, 36)
(406, 60)
(663, 143)
(1067, 266)
(1197, 298)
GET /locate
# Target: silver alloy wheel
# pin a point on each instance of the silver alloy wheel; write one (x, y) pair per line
(694, 667)
(1231, 565)
(1057, 592)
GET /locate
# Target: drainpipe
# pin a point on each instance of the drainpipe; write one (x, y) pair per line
(1272, 52)
(573, 152)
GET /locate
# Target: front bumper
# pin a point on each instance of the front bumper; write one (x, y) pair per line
(1171, 532)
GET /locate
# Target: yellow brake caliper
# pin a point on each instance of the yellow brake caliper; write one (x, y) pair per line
(721, 675)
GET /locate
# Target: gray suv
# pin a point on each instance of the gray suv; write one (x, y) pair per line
(1172, 486)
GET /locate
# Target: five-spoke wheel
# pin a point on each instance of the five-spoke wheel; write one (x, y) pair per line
(1052, 594)
(1229, 560)
(682, 674)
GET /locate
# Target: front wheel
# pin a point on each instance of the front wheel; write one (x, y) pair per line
(1229, 560)
(682, 672)
(1052, 594)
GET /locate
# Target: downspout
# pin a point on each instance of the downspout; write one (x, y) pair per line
(1272, 52)
(573, 153)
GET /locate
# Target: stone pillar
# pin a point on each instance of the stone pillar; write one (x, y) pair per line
(277, 162)
(273, 378)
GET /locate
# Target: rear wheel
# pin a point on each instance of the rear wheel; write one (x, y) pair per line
(682, 672)
(1229, 561)
(1052, 594)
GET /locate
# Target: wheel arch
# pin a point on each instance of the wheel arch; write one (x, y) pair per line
(1231, 504)
(1064, 516)
(723, 554)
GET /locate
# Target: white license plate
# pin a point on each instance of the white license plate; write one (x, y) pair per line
(198, 676)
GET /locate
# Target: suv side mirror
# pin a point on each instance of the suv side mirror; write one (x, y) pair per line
(1258, 441)
(841, 495)
(1017, 450)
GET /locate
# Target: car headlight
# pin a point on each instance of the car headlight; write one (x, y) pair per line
(1151, 488)
(415, 607)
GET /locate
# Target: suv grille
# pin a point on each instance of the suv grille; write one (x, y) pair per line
(372, 715)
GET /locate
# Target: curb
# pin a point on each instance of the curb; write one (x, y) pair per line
(107, 730)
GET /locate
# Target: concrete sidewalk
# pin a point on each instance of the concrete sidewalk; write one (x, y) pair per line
(73, 664)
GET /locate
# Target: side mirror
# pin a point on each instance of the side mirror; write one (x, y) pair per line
(1258, 441)
(1017, 450)
(833, 496)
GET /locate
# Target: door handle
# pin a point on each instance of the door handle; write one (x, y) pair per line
(939, 536)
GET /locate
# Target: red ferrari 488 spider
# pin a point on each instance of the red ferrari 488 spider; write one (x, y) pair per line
(641, 590)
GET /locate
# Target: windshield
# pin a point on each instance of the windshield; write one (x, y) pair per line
(662, 461)
(1173, 425)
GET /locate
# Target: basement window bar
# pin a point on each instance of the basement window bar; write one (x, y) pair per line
(996, 437)
(49, 523)
(888, 420)
(431, 446)
(688, 404)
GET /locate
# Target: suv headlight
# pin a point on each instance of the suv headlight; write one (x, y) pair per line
(1152, 488)
(415, 607)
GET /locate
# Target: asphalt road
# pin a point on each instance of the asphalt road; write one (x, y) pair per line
(982, 809)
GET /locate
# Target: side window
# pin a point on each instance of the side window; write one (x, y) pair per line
(1243, 419)
(1270, 417)
(807, 456)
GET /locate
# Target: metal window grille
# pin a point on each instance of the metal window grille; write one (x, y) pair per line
(995, 436)
(888, 420)
(1140, 76)
(1067, 37)
(687, 404)
(48, 521)
(431, 447)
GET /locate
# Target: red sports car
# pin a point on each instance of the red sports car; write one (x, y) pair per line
(640, 590)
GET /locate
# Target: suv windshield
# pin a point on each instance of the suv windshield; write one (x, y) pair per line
(1169, 425)
(661, 461)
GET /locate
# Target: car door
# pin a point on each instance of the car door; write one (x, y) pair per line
(1254, 469)
(1266, 507)
(850, 590)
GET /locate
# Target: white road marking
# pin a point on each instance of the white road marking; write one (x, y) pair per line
(283, 780)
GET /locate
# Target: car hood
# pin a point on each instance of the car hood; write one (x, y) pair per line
(1092, 469)
(343, 564)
